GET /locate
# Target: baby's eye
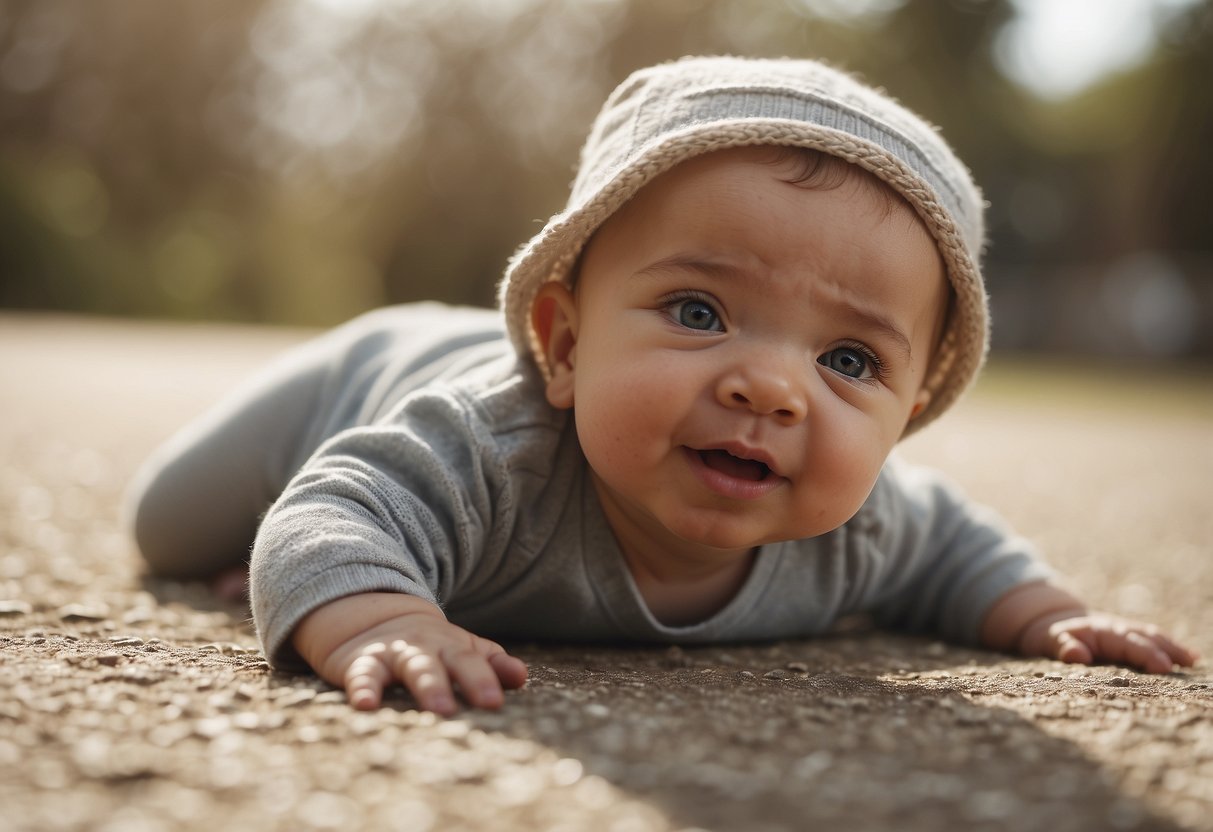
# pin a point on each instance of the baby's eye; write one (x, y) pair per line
(697, 314)
(848, 361)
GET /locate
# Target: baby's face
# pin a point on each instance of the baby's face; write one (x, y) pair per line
(747, 352)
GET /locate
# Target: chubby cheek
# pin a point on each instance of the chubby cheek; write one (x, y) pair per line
(610, 433)
(841, 475)
(625, 415)
(603, 432)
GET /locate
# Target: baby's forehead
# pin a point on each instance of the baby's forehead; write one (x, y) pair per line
(800, 166)
(797, 167)
(784, 210)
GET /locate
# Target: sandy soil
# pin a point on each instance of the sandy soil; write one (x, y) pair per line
(134, 705)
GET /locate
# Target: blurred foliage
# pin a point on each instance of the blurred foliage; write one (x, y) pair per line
(303, 160)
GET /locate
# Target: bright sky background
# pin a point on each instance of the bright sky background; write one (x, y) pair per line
(1054, 48)
(1057, 48)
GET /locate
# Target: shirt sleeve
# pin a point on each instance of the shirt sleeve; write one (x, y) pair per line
(410, 505)
(947, 559)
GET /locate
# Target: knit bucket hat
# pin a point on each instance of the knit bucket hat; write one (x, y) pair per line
(666, 114)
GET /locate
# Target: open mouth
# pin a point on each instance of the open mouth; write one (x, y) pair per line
(735, 466)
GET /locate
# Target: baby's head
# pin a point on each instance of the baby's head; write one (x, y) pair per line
(662, 116)
(766, 276)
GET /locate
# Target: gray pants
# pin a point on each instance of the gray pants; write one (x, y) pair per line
(194, 506)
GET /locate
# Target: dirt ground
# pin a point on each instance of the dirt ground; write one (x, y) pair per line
(136, 706)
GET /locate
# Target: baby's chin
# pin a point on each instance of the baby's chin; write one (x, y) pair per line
(741, 541)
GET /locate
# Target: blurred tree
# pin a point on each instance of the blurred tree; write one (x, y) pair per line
(302, 160)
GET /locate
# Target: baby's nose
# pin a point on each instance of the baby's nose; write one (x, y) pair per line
(765, 390)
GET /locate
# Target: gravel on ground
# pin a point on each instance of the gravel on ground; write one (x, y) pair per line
(131, 704)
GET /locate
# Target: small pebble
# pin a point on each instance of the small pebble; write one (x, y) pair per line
(247, 721)
(80, 612)
(14, 607)
(777, 674)
(212, 727)
(295, 697)
(137, 616)
(1118, 682)
(745, 674)
(798, 667)
(109, 659)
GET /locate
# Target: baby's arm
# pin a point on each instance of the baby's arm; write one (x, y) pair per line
(1040, 619)
(366, 642)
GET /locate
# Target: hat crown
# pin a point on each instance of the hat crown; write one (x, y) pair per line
(695, 92)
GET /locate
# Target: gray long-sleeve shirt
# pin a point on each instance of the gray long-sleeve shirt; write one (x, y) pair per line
(457, 482)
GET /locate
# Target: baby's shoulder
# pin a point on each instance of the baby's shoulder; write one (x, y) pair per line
(906, 492)
(483, 396)
(504, 391)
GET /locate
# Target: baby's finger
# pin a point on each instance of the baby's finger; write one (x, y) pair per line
(425, 677)
(476, 679)
(366, 678)
(1141, 652)
(510, 671)
(1180, 654)
(1073, 649)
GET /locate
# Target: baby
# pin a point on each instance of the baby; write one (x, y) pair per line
(766, 276)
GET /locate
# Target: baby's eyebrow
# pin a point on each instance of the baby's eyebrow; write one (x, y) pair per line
(690, 262)
(873, 319)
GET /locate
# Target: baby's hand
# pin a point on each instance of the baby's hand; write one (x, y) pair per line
(1098, 637)
(365, 643)
(1040, 619)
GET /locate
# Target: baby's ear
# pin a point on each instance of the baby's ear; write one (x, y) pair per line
(554, 318)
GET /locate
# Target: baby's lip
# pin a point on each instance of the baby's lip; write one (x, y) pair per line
(744, 451)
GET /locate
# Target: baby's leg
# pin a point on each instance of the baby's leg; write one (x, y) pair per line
(195, 504)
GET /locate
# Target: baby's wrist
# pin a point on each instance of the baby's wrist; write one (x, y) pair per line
(324, 630)
(1019, 621)
(1036, 639)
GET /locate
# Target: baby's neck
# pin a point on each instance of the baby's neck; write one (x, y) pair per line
(681, 582)
(679, 601)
